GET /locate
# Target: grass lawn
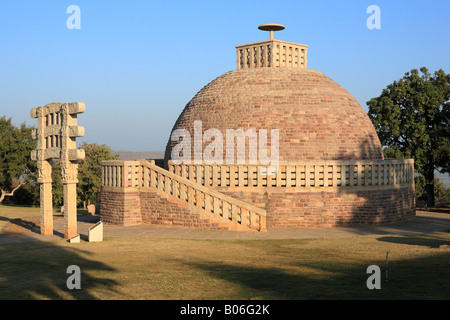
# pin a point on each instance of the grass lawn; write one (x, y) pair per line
(175, 269)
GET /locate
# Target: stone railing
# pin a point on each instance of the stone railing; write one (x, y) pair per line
(305, 174)
(271, 53)
(145, 174)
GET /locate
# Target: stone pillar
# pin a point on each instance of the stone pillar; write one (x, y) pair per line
(69, 171)
(70, 209)
(44, 178)
(46, 208)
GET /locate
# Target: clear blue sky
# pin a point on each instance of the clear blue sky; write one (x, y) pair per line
(135, 64)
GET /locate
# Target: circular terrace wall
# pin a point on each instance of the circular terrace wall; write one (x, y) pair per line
(316, 193)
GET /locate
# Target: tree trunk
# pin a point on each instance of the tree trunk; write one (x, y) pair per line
(4, 193)
(429, 185)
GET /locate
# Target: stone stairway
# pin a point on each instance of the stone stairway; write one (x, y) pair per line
(165, 209)
(146, 193)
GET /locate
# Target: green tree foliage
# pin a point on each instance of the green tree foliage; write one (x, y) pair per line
(90, 171)
(441, 193)
(16, 166)
(27, 194)
(411, 117)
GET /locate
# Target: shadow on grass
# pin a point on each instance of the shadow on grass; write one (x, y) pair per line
(22, 224)
(428, 240)
(424, 278)
(25, 225)
(38, 270)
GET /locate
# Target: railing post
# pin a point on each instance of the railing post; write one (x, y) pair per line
(216, 206)
(199, 199)
(307, 176)
(190, 195)
(334, 183)
(124, 175)
(206, 176)
(316, 175)
(278, 178)
(174, 188)
(241, 175)
(245, 220)
(146, 180)
(325, 175)
(103, 175)
(225, 209)
(208, 204)
(259, 177)
(215, 175)
(167, 184)
(182, 192)
(233, 212)
(223, 176)
(262, 223)
(343, 176)
(198, 174)
(232, 176)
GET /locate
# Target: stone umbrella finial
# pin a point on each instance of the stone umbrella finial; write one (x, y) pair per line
(271, 27)
(271, 53)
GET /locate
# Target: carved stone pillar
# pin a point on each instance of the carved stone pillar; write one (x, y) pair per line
(46, 210)
(44, 179)
(56, 133)
(70, 209)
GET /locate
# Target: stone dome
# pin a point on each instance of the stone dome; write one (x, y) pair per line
(316, 118)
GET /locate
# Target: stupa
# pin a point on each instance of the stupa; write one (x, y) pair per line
(329, 168)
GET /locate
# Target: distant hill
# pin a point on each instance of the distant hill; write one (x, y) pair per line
(130, 155)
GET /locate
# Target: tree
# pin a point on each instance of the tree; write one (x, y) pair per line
(16, 165)
(411, 117)
(441, 193)
(90, 171)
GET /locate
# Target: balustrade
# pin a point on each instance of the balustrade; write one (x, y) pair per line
(145, 174)
(316, 174)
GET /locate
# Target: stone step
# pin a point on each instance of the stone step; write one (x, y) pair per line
(197, 217)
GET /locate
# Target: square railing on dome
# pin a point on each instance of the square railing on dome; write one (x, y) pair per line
(271, 53)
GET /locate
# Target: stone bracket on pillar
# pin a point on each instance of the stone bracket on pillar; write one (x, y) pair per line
(56, 134)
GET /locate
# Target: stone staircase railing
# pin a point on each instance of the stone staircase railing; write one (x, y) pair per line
(142, 174)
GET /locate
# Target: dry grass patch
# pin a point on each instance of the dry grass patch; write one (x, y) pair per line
(148, 268)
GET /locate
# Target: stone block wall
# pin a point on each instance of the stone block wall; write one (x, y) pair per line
(290, 208)
(150, 206)
(378, 195)
(159, 208)
(286, 207)
(120, 207)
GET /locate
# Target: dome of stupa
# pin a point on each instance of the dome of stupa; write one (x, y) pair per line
(271, 89)
(316, 118)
